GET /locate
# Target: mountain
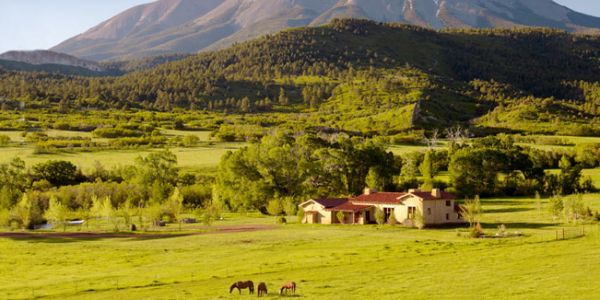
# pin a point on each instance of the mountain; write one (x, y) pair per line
(189, 26)
(51, 62)
(44, 57)
(361, 76)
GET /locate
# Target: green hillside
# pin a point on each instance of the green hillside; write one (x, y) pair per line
(365, 77)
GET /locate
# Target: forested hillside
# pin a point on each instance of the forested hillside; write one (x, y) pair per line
(361, 76)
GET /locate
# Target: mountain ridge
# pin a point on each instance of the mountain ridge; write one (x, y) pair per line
(188, 26)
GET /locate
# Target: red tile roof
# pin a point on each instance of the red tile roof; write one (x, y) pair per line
(378, 198)
(331, 202)
(429, 196)
(349, 206)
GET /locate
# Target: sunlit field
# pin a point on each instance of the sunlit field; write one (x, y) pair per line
(327, 262)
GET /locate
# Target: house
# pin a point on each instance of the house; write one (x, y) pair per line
(437, 208)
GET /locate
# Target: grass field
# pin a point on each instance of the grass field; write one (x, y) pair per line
(327, 262)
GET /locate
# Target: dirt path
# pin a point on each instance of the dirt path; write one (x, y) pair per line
(142, 235)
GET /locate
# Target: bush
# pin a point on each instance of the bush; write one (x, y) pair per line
(379, 216)
(274, 207)
(340, 217)
(4, 140)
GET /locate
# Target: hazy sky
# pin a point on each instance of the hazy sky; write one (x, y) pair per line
(41, 24)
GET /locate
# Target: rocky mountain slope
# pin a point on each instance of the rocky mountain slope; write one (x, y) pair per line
(189, 26)
(43, 57)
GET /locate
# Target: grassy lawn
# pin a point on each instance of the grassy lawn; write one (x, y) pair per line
(327, 262)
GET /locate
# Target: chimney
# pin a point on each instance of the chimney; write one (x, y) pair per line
(413, 190)
(368, 191)
(437, 193)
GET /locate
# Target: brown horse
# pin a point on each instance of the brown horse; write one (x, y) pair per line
(288, 287)
(262, 289)
(240, 285)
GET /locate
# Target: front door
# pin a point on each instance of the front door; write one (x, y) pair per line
(367, 217)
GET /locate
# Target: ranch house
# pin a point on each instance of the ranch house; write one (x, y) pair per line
(437, 208)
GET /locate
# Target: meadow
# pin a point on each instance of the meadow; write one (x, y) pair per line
(326, 261)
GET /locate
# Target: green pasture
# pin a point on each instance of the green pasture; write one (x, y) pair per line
(196, 157)
(327, 262)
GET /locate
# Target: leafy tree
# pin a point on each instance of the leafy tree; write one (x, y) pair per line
(274, 207)
(427, 171)
(379, 216)
(409, 172)
(472, 211)
(419, 219)
(555, 206)
(158, 170)
(175, 205)
(58, 173)
(25, 212)
(13, 181)
(340, 217)
(57, 213)
(374, 180)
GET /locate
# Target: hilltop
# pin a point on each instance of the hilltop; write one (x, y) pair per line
(366, 77)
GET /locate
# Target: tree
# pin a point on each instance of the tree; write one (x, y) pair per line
(283, 99)
(427, 171)
(471, 211)
(574, 209)
(555, 206)
(419, 219)
(374, 180)
(175, 206)
(58, 173)
(274, 208)
(13, 181)
(57, 213)
(24, 212)
(340, 217)
(409, 171)
(158, 170)
(379, 216)
(570, 176)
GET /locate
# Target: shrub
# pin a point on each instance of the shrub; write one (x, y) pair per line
(340, 216)
(300, 215)
(392, 220)
(4, 140)
(274, 207)
(419, 219)
(289, 206)
(379, 216)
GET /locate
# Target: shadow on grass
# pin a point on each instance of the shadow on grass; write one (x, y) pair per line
(518, 225)
(70, 237)
(507, 210)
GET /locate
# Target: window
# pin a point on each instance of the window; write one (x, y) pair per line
(429, 210)
(411, 212)
(448, 203)
(388, 212)
(447, 216)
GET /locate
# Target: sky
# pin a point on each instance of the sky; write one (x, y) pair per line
(41, 24)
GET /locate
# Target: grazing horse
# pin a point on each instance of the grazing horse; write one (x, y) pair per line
(262, 289)
(288, 287)
(240, 285)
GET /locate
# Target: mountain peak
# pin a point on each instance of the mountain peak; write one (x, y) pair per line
(169, 26)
